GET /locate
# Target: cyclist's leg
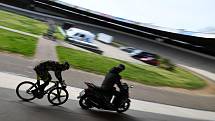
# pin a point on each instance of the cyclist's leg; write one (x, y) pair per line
(46, 77)
(38, 77)
(38, 74)
(35, 91)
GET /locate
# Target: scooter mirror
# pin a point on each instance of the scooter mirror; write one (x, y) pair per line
(131, 86)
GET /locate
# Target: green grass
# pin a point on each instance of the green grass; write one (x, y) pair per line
(22, 23)
(117, 44)
(17, 43)
(145, 74)
(58, 34)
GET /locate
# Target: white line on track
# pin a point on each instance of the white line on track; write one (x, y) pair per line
(9, 80)
(20, 32)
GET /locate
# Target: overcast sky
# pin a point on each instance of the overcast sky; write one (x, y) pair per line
(193, 15)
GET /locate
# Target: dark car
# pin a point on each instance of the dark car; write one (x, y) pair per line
(128, 49)
(146, 57)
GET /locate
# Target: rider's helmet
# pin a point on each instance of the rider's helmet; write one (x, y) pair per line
(66, 65)
(121, 67)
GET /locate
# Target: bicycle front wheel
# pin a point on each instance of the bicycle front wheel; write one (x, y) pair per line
(24, 90)
(58, 96)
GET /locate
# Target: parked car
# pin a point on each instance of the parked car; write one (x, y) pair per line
(128, 49)
(82, 37)
(146, 57)
(105, 38)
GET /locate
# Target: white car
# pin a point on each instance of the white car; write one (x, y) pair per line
(79, 36)
(105, 38)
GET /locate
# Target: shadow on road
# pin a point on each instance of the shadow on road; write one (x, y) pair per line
(112, 116)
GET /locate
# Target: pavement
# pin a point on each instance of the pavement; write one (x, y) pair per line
(10, 81)
(116, 53)
(46, 50)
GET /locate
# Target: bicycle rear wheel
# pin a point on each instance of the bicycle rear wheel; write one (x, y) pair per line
(24, 90)
(58, 96)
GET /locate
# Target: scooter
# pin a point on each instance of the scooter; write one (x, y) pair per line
(94, 96)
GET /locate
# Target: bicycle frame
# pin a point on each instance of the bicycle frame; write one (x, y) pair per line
(56, 83)
(56, 93)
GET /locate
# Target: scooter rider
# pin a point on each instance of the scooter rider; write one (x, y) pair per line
(112, 78)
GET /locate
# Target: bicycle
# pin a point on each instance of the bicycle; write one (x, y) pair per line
(55, 92)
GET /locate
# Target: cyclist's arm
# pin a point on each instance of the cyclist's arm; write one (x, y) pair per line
(58, 75)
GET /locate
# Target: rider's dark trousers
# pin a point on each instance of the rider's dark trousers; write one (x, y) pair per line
(45, 76)
(110, 93)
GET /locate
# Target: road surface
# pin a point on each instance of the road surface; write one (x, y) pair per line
(14, 109)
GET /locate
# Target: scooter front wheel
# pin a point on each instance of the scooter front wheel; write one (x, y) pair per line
(83, 102)
(124, 106)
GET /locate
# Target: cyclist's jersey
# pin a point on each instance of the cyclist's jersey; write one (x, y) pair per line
(50, 66)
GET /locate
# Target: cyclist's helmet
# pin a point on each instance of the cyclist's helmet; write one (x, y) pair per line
(121, 67)
(66, 65)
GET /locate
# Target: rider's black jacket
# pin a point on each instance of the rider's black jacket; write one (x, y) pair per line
(111, 78)
(51, 66)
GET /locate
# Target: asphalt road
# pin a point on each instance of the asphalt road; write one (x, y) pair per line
(13, 109)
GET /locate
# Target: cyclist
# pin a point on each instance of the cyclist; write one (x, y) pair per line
(42, 71)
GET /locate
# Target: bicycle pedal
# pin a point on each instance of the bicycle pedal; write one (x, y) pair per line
(37, 94)
(34, 92)
(40, 96)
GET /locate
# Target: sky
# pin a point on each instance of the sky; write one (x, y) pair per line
(191, 15)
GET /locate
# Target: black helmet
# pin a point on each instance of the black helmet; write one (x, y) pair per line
(121, 67)
(66, 65)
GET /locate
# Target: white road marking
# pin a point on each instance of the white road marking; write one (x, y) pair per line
(20, 32)
(8, 80)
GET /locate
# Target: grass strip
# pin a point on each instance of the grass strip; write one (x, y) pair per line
(144, 74)
(17, 43)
